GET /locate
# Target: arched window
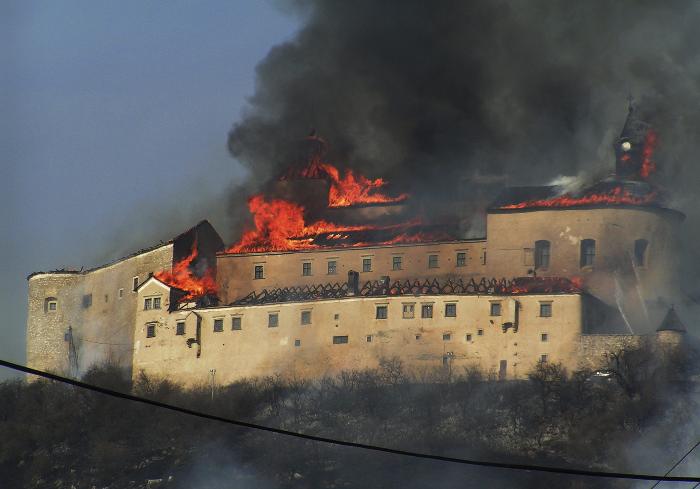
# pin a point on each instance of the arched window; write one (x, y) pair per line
(587, 252)
(640, 252)
(542, 249)
(50, 304)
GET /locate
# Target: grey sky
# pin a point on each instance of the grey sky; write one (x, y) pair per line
(113, 128)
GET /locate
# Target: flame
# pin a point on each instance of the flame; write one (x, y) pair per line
(280, 226)
(648, 165)
(181, 277)
(617, 195)
(354, 189)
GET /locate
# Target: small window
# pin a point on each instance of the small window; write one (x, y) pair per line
(237, 323)
(121, 293)
(426, 311)
(297, 342)
(544, 358)
(273, 320)
(417, 337)
(450, 310)
(148, 304)
(433, 261)
(480, 332)
(50, 304)
(446, 337)
(408, 311)
(366, 264)
(259, 272)
(382, 312)
(150, 330)
(180, 328)
(396, 262)
(483, 257)
(135, 284)
(640, 252)
(87, 300)
(542, 252)
(305, 317)
(468, 337)
(587, 252)
(332, 267)
(218, 325)
(156, 303)
(544, 337)
(340, 340)
(336, 316)
(495, 309)
(369, 338)
(306, 269)
(545, 309)
(461, 259)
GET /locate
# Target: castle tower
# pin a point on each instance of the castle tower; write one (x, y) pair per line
(671, 332)
(633, 147)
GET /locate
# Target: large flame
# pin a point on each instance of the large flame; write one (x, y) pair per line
(280, 226)
(355, 189)
(182, 277)
(617, 195)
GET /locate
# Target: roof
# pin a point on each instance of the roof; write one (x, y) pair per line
(516, 195)
(671, 322)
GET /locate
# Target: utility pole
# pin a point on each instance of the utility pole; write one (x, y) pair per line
(212, 371)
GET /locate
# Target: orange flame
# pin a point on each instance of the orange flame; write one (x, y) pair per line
(648, 165)
(618, 195)
(181, 277)
(355, 189)
(280, 226)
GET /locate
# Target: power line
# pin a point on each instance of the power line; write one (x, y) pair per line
(331, 441)
(677, 464)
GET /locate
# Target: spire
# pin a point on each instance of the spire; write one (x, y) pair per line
(632, 148)
(671, 322)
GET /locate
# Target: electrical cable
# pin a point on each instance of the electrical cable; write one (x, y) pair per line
(331, 441)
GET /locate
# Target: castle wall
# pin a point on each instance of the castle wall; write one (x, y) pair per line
(594, 348)
(236, 272)
(259, 350)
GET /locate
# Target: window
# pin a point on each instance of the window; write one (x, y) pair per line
(332, 267)
(218, 325)
(417, 337)
(297, 342)
(469, 337)
(587, 252)
(236, 323)
(50, 304)
(135, 284)
(408, 311)
(480, 332)
(180, 328)
(396, 262)
(446, 337)
(461, 259)
(544, 358)
(640, 252)
(87, 300)
(273, 320)
(426, 311)
(336, 316)
(121, 293)
(369, 338)
(259, 272)
(544, 337)
(150, 330)
(340, 340)
(432, 261)
(156, 303)
(450, 310)
(305, 317)
(366, 264)
(106, 298)
(382, 312)
(545, 309)
(542, 249)
(148, 304)
(495, 309)
(306, 269)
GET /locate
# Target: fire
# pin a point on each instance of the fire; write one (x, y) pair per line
(181, 277)
(280, 226)
(617, 195)
(355, 189)
(648, 165)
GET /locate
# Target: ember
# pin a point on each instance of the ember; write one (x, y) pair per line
(182, 277)
(648, 165)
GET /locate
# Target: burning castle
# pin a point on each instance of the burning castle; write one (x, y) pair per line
(337, 271)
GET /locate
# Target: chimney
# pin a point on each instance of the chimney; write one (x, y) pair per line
(353, 283)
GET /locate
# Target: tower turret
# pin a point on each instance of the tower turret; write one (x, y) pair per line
(634, 148)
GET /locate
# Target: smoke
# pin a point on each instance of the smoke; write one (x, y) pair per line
(426, 94)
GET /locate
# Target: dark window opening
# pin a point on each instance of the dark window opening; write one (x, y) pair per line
(495, 309)
(306, 269)
(236, 323)
(544, 337)
(273, 320)
(396, 262)
(640, 252)
(135, 284)
(259, 272)
(297, 342)
(542, 253)
(587, 252)
(150, 331)
(382, 312)
(87, 300)
(180, 328)
(408, 311)
(546, 309)
(50, 304)
(461, 259)
(148, 304)
(340, 340)
(433, 261)
(332, 267)
(544, 358)
(469, 337)
(218, 325)
(450, 310)
(369, 338)
(446, 337)
(305, 317)
(156, 303)
(426, 311)
(366, 264)
(480, 332)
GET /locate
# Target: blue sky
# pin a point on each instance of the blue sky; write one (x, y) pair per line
(113, 127)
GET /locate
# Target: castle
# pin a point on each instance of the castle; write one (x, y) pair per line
(335, 276)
